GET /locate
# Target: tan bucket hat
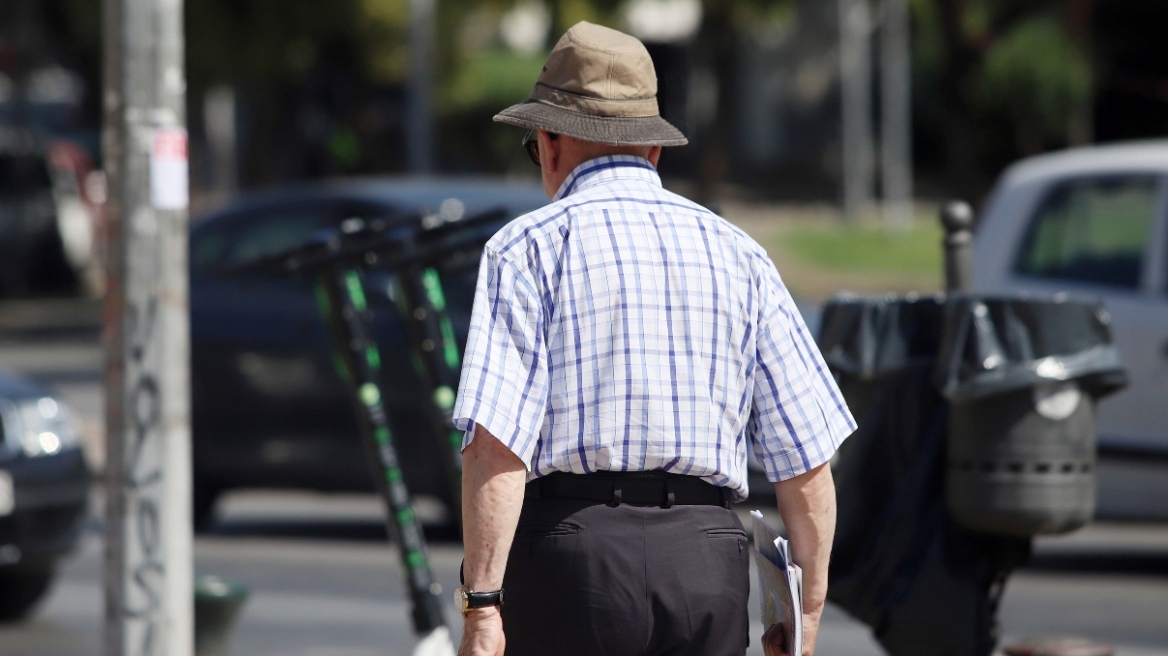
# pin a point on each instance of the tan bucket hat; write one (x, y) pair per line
(598, 85)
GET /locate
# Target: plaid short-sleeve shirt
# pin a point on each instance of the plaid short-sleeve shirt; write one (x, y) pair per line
(623, 327)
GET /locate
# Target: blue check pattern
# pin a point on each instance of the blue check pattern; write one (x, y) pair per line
(623, 327)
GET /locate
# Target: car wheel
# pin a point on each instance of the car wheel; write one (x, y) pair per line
(20, 590)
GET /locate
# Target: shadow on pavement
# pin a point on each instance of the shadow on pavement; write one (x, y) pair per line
(1139, 563)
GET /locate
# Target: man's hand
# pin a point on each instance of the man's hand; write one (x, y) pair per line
(774, 641)
(807, 505)
(482, 633)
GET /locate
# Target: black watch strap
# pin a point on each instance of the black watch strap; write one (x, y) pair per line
(468, 600)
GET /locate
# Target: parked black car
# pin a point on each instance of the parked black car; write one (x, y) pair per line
(269, 407)
(44, 492)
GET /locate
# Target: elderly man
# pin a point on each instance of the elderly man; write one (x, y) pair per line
(626, 348)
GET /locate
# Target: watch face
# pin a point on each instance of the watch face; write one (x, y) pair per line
(465, 602)
(460, 599)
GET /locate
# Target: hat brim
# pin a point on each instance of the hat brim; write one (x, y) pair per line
(613, 130)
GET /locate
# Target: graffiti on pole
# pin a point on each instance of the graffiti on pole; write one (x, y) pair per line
(144, 556)
(148, 522)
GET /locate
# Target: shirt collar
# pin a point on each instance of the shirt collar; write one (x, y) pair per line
(605, 169)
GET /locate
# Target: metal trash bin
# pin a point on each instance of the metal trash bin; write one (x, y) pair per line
(899, 563)
(927, 533)
(1022, 376)
(976, 431)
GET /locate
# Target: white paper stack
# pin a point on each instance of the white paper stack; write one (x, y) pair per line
(780, 583)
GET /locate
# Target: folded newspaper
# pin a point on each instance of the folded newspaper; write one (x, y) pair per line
(780, 583)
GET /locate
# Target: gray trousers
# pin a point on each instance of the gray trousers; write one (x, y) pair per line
(591, 579)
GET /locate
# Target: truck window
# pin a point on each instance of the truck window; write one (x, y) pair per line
(1092, 231)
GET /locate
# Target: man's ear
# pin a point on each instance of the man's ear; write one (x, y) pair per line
(654, 155)
(549, 151)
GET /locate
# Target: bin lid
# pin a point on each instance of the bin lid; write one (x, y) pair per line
(997, 344)
(977, 345)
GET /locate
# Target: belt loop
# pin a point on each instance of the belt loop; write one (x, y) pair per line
(669, 497)
(725, 497)
(616, 493)
(535, 489)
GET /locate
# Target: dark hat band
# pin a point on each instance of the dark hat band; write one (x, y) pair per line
(625, 108)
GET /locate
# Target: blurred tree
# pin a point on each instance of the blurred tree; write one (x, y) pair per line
(1001, 79)
(385, 27)
(718, 47)
(300, 76)
(1038, 78)
(319, 85)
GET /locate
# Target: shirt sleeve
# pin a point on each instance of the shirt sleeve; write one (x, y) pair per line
(504, 381)
(799, 417)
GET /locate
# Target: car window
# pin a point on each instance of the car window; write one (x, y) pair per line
(1093, 231)
(207, 248)
(277, 231)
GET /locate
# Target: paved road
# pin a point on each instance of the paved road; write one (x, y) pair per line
(324, 582)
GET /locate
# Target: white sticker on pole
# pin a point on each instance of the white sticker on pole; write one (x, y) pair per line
(7, 494)
(168, 169)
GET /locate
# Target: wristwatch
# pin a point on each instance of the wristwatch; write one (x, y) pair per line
(467, 600)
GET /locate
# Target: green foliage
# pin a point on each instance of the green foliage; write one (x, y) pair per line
(385, 28)
(865, 247)
(928, 41)
(995, 80)
(492, 80)
(1038, 77)
(570, 12)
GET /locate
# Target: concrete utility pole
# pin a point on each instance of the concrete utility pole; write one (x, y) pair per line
(419, 120)
(855, 21)
(148, 576)
(896, 116)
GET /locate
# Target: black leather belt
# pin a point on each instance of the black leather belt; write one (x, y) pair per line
(648, 488)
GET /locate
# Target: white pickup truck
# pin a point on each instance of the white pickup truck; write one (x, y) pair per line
(1093, 222)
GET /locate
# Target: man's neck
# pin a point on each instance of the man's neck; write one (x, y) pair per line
(574, 152)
